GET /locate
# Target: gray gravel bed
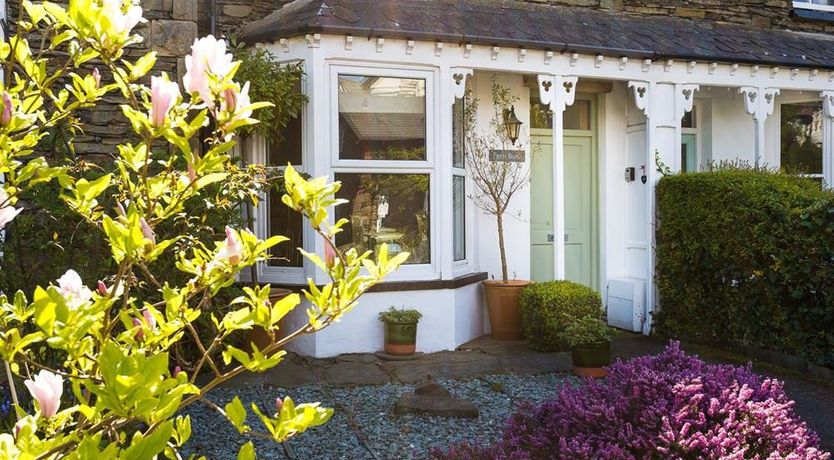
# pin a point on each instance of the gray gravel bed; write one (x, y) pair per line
(363, 426)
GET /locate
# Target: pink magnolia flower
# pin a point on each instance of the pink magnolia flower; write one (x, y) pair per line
(122, 21)
(192, 174)
(176, 371)
(150, 320)
(73, 289)
(279, 403)
(6, 114)
(146, 320)
(164, 95)
(232, 250)
(7, 211)
(208, 56)
(148, 234)
(46, 389)
(102, 288)
(237, 103)
(97, 77)
(329, 253)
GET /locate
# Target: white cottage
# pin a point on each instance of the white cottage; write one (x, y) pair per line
(385, 77)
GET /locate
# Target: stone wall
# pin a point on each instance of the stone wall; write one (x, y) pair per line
(230, 15)
(758, 13)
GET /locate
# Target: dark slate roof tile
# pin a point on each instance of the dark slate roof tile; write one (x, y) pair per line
(513, 23)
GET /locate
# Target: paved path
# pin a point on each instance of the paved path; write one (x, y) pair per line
(484, 356)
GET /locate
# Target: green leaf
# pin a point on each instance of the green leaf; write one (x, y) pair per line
(247, 452)
(236, 414)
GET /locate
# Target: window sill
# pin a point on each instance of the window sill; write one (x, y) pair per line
(423, 285)
(813, 15)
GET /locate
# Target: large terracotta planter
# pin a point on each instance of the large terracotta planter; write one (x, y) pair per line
(589, 359)
(258, 336)
(504, 313)
(400, 338)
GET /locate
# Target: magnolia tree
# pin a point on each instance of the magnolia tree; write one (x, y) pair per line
(113, 393)
(496, 182)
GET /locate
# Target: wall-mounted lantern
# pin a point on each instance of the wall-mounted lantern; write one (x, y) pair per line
(512, 125)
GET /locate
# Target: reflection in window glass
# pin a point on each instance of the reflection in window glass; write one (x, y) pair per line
(458, 141)
(281, 150)
(802, 137)
(576, 116)
(382, 118)
(386, 208)
(688, 120)
(459, 217)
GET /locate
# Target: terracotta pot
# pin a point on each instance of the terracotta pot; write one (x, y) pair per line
(589, 359)
(504, 313)
(258, 336)
(400, 338)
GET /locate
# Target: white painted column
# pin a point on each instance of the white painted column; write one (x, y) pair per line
(828, 138)
(559, 92)
(452, 86)
(758, 102)
(664, 105)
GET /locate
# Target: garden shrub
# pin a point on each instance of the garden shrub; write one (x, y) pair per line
(547, 308)
(670, 405)
(747, 257)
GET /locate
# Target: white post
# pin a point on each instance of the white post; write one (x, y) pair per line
(759, 102)
(828, 138)
(559, 92)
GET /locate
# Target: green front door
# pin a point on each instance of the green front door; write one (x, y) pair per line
(580, 202)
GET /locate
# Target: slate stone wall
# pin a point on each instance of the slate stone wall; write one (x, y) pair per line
(757, 13)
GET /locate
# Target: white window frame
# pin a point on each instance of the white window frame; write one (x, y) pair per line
(464, 266)
(699, 157)
(437, 208)
(812, 6)
(258, 148)
(777, 131)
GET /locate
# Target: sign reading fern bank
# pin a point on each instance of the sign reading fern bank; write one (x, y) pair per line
(507, 155)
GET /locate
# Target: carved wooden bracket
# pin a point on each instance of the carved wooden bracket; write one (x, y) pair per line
(759, 102)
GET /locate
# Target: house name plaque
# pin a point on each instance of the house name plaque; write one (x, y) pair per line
(516, 156)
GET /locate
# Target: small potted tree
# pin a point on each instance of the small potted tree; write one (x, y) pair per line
(590, 342)
(497, 179)
(400, 330)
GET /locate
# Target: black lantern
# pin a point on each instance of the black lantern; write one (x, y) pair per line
(512, 124)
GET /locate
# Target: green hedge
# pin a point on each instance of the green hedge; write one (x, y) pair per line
(547, 308)
(747, 257)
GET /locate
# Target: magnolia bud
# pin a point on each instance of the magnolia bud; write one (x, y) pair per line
(102, 288)
(140, 334)
(97, 77)
(176, 371)
(6, 114)
(147, 233)
(279, 403)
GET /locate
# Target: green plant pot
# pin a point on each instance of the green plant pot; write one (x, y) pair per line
(400, 338)
(593, 355)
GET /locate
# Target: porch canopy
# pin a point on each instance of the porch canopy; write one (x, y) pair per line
(556, 28)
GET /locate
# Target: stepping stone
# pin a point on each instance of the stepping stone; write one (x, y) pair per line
(430, 398)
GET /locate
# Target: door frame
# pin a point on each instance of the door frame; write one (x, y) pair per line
(593, 133)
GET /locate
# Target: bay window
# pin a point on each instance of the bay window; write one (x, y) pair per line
(384, 160)
(459, 180)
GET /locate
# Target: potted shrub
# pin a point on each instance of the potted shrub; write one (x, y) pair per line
(496, 182)
(400, 330)
(590, 342)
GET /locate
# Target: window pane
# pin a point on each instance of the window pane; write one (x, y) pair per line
(283, 220)
(459, 217)
(540, 117)
(578, 115)
(688, 120)
(386, 208)
(802, 137)
(458, 132)
(382, 118)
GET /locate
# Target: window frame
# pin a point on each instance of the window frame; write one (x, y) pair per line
(466, 265)
(437, 211)
(258, 151)
(812, 6)
(696, 131)
(777, 118)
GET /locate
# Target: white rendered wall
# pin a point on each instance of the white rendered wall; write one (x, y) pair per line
(517, 218)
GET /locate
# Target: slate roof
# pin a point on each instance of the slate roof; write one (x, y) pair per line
(557, 28)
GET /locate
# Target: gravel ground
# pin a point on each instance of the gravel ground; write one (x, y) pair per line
(363, 426)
